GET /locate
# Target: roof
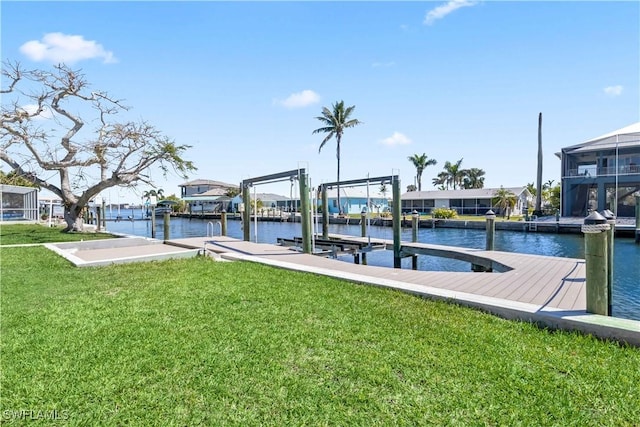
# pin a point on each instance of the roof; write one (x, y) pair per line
(214, 192)
(628, 136)
(271, 197)
(475, 193)
(197, 182)
(16, 189)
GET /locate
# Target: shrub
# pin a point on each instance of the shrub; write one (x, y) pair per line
(444, 213)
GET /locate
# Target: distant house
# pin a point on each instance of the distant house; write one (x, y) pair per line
(18, 203)
(602, 173)
(206, 196)
(269, 201)
(354, 200)
(465, 202)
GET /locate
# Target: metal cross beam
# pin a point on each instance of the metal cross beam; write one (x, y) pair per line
(380, 179)
(273, 177)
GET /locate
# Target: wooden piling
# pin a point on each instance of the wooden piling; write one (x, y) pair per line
(611, 235)
(246, 213)
(415, 220)
(167, 220)
(223, 222)
(637, 219)
(595, 253)
(491, 230)
(397, 217)
(153, 222)
(305, 213)
(104, 215)
(325, 213)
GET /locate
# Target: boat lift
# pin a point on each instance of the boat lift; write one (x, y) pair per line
(396, 211)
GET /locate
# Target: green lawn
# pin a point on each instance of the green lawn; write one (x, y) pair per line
(11, 234)
(194, 342)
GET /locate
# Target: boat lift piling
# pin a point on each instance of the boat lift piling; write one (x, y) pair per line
(397, 211)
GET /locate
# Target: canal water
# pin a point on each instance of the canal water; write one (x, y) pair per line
(626, 289)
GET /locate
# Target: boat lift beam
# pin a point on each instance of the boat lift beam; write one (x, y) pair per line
(305, 212)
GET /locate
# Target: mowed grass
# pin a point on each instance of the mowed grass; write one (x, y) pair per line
(197, 342)
(11, 234)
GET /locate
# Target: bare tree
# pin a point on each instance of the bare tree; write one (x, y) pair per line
(53, 128)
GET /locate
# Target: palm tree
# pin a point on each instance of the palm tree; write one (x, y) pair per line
(504, 199)
(532, 189)
(473, 178)
(421, 161)
(441, 181)
(454, 174)
(384, 189)
(150, 193)
(335, 122)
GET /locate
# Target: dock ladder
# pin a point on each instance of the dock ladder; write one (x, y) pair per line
(210, 227)
(533, 225)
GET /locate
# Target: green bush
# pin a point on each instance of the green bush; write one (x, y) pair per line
(444, 213)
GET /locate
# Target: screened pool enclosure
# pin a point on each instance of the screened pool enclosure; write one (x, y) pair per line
(18, 203)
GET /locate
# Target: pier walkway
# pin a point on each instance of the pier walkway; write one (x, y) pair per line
(546, 290)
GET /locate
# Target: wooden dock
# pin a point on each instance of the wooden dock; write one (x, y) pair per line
(531, 279)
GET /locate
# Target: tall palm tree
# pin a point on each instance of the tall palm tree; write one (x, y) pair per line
(454, 173)
(335, 122)
(421, 161)
(473, 178)
(504, 199)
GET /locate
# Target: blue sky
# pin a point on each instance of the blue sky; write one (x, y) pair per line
(242, 82)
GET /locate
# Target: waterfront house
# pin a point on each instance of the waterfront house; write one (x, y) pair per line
(602, 173)
(354, 200)
(269, 201)
(206, 196)
(475, 201)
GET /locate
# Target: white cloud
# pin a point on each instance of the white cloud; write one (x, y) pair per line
(396, 139)
(299, 99)
(58, 47)
(32, 108)
(441, 11)
(613, 90)
(383, 64)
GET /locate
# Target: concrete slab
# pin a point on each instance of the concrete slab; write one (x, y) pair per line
(118, 251)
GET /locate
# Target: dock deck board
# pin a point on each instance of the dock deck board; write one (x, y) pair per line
(533, 279)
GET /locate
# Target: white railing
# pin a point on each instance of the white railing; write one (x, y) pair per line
(610, 171)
